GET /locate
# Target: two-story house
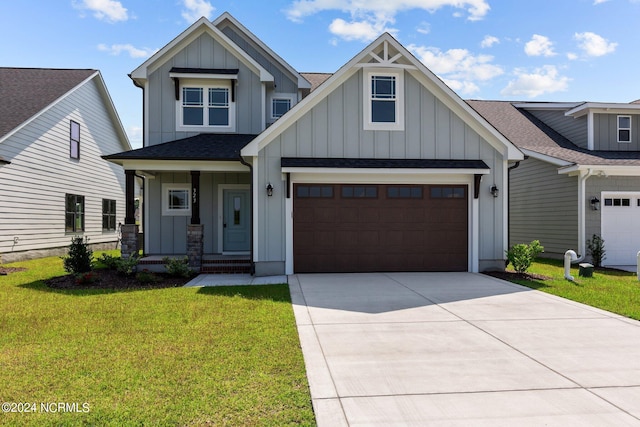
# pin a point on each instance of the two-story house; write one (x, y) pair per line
(55, 124)
(581, 176)
(382, 167)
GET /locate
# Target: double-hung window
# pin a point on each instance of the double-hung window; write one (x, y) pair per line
(206, 106)
(108, 215)
(383, 103)
(624, 128)
(74, 140)
(74, 213)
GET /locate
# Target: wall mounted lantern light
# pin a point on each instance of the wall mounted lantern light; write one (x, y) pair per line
(269, 190)
(595, 203)
(495, 192)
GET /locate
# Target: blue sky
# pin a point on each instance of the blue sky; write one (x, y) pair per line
(538, 50)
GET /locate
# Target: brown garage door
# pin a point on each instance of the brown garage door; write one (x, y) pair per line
(361, 228)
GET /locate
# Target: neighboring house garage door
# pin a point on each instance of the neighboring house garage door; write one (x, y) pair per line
(363, 228)
(620, 227)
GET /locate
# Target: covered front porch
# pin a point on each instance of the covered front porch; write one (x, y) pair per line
(197, 203)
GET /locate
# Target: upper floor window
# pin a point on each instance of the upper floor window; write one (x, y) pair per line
(279, 106)
(624, 128)
(74, 140)
(206, 106)
(383, 103)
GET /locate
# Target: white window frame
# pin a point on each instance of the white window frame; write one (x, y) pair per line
(621, 128)
(369, 124)
(205, 85)
(291, 97)
(166, 210)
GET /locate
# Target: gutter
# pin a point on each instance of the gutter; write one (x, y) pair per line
(250, 166)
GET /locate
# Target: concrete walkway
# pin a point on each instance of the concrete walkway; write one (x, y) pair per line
(234, 280)
(461, 349)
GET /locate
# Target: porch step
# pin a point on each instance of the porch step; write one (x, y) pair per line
(226, 265)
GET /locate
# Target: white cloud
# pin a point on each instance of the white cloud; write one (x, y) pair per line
(195, 9)
(363, 30)
(424, 28)
(596, 2)
(594, 45)
(134, 52)
(104, 10)
(541, 81)
(572, 56)
(459, 68)
(539, 46)
(376, 14)
(489, 41)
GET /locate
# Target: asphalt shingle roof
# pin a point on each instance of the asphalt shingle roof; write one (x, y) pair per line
(316, 79)
(205, 146)
(26, 91)
(528, 132)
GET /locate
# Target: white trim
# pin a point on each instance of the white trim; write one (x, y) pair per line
(603, 108)
(221, 188)
(181, 165)
(205, 85)
(546, 105)
(546, 158)
(256, 211)
(591, 132)
(166, 187)
(399, 99)
(619, 128)
(602, 170)
(473, 229)
(291, 97)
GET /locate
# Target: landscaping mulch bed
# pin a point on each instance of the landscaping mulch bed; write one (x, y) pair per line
(110, 279)
(512, 275)
(7, 270)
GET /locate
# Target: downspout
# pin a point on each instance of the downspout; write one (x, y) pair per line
(582, 244)
(244, 162)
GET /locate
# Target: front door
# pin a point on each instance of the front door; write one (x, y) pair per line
(236, 222)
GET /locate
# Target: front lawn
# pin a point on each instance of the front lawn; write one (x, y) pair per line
(612, 290)
(172, 356)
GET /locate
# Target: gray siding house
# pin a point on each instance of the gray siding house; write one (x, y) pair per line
(55, 126)
(581, 176)
(381, 167)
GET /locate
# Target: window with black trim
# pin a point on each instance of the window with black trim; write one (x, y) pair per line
(74, 213)
(448, 192)
(108, 215)
(359, 192)
(404, 192)
(617, 202)
(74, 140)
(624, 128)
(314, 191)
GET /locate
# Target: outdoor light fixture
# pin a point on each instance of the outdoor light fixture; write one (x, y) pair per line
(269, 190)
(494, 190)
(595, 203)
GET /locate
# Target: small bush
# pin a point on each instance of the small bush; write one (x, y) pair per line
(86, 278)
(145, 276)
(177, 267)
(79, 259)
(127, 267)
(109, 261)
(596, 250)
(521, 256)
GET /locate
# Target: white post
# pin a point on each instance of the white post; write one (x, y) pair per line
(568, 257)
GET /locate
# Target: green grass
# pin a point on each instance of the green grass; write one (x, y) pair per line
(612, 290)
(174, 356)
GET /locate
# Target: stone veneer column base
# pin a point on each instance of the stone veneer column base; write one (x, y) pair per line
(195, 245)
(129, 244)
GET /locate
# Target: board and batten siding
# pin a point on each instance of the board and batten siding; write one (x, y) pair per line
(167, 234)
(334, 129)
(203, 52)
(544, 206)
(574, 129)
(33, 186)
(606, 133)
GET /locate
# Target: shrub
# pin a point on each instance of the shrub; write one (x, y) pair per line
(522, 255)
(109, 261)
(79, 259)
(145, 276)
(177, 267)
(127, 267)
(596, 250)
(86, 278)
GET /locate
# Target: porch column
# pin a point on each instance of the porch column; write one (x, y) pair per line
(129, 230)
(195, 197)
(195, 230)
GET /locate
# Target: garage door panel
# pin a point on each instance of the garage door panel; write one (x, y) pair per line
(380, 233)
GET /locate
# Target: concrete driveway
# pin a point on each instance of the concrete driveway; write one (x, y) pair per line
(461, 349)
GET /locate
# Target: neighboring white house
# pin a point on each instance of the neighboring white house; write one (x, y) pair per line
(581, 176)
(55, 124)
(382, 167)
